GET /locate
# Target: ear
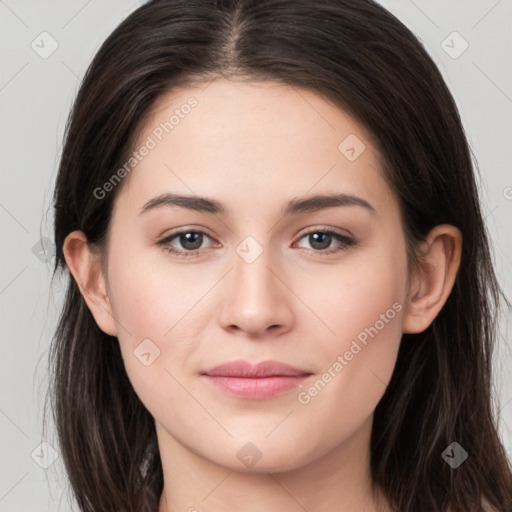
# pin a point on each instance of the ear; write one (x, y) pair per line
(85, 267)
(432, 282)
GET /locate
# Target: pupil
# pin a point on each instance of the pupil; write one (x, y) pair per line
(194, 240)
(316, 236)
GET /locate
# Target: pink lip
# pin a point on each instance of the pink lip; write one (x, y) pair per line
(263, 380)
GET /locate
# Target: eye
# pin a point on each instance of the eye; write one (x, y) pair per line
(191, 242)
(320, 241)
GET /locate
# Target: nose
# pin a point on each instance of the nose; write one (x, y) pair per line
(257, 300)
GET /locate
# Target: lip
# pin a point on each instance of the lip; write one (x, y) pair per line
(263, 380)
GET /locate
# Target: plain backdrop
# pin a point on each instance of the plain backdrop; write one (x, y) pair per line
(36, 91)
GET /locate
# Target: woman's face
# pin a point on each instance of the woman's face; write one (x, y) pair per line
(318, 285)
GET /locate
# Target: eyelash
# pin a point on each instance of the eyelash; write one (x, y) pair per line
(344, 240)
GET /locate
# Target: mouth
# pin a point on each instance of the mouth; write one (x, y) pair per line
(263, 380)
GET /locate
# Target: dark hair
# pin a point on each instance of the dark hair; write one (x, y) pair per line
(359, 56)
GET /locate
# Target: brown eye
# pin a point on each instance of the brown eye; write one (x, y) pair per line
(190, 241)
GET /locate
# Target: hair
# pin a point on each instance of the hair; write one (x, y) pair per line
(357, 55)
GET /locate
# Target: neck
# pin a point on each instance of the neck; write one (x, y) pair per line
(337, 480)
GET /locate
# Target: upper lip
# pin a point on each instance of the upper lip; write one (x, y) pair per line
(245, 369)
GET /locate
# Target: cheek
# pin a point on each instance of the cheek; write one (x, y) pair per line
(366, 291)
(373, 313)
(159, 322)
(146, 310)
(364, 308)
(151, 294)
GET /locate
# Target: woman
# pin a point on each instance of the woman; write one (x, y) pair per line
(282, 294)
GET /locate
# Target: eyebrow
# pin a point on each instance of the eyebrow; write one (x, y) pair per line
(295, 206)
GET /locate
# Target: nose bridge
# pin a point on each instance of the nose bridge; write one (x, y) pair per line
(256, 298)
(252, 276)
(252, 265)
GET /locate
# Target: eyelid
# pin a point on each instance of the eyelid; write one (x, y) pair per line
(346, 240)
(166, 241)
(331, 229)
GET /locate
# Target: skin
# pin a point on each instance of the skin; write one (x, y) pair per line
(254, 147)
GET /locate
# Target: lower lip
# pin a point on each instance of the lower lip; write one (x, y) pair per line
(262, 387)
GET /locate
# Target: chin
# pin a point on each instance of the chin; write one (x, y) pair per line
(264, 458)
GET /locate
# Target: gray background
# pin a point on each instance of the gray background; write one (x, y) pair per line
(35, 96)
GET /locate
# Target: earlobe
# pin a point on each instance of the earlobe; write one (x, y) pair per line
(85, 267)
(434, 278)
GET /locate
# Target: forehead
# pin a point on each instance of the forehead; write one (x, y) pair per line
(236, 112)
(263, 139)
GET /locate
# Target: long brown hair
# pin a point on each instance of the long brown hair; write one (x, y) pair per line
(359, 56)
